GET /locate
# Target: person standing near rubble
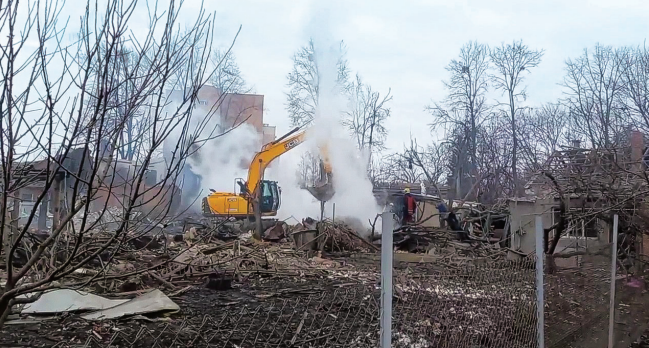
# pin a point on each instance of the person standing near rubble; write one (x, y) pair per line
(443, 214)
(409, 206)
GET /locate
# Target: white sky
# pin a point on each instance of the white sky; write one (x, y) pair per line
(405, 45)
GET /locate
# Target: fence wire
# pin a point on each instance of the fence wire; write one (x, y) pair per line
(456, 301)
(340, 318)
(577, 296)
(489, 305)
(467, 304)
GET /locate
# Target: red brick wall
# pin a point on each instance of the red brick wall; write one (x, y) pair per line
(234, 109)
(153, 200)
(243, 108)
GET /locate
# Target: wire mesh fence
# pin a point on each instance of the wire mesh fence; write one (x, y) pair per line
(476, 305)
(447, 301)
(577, 295)
(344, 317)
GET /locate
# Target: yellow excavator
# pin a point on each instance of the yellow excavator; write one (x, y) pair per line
(262, 198)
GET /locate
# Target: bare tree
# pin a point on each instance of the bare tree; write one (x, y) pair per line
(512, 62)
(541, 132)
(58, 127)
(126, 62)
(395, 168)
(308, 171)
(304, 82)
(466, 102)
(589, 187)
(227, 76)
(367, 116)
(494, 155)
(431, 160)
(635, 89)
(593, 87)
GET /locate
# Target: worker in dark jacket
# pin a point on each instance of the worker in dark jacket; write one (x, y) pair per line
(443, 214)
(409, 207)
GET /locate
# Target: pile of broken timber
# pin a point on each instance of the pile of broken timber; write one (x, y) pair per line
(442, 241)
(333, 236)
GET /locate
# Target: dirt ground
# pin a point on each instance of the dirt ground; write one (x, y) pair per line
(577, 307)
(642, 342)
(632, 317)
(207, 317)
(300, 312)
(477, 308)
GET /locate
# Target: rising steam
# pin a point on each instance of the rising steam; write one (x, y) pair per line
(354, 199)
(221, 156)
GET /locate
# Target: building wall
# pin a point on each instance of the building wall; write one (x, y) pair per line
(269, 134)
(155, 201)
(232, 110)
(236, 109)
(229, 109)
(429, 214)
(523, 229)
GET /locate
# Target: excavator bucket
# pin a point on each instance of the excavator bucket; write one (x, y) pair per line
(323, 189)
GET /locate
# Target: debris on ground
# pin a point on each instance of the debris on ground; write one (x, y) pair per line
(152, 302)
(276, 232)
(191, 273)
(67, 300)
(330, 236)
(56, 302)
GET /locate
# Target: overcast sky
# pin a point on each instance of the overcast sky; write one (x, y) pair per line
(405, 45)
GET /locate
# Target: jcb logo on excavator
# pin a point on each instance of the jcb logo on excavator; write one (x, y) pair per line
(232, 199)
(291, 144)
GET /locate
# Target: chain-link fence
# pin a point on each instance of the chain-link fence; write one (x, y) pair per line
(466, 303)
(577, 295)
(478, 304)
(451, 300)
(345, 317)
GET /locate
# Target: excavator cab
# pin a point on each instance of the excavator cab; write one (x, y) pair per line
(269, 195)
(269, 201)
(277, 191)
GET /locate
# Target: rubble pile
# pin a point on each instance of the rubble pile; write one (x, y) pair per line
(190, 269)
(145, 259)
(332, 236)
(442, 242)
(340, 237)
(107, 220)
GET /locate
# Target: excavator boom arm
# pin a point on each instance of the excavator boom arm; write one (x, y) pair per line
(271, 151)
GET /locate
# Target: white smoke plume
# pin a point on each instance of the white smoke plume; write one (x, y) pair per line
(219, 161)
(354, 199)
(222, 156)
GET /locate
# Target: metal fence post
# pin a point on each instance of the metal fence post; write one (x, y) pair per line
(611, 318)
(540, 304)
(387, 229)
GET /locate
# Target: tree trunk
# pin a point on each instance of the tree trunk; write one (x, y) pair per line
(56, 203)
(550, 264)
(517, 190)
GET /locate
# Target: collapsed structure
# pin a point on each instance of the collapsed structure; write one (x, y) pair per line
(476, 274)
(228, 111)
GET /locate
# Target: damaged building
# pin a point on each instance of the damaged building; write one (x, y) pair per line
(231, 110)
(594, 184)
